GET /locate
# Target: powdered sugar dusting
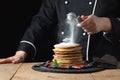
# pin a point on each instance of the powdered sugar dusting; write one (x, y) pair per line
(66, 45)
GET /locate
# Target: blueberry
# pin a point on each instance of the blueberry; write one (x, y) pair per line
(90, 65)
(54, 67)
(83, 66)
(69, 67)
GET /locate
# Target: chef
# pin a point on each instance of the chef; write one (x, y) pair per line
(48, 28)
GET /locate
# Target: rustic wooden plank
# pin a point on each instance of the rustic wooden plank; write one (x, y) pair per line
(8, 70)
(27, 73)
(110, 74)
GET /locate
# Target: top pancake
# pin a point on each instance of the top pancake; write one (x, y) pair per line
(66, 45)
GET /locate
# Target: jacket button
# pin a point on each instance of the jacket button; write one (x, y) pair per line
(84, 34)
(66, 2)
(62, 33)
(90, 3)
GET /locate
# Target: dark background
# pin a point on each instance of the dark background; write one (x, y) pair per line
(15, 17)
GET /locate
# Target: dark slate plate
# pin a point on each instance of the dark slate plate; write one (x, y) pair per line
(39, 67)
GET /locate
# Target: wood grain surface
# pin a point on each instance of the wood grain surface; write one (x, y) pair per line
(7, 71)
(24, 71)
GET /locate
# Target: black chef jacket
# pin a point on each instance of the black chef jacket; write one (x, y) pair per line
(46, 28)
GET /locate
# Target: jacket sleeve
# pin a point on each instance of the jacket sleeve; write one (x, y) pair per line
(115, 22)
(114, 35)
(40, 23)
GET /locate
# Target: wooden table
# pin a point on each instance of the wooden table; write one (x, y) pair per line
(23, 71)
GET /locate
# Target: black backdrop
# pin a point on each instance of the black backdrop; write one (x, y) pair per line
(15, 17)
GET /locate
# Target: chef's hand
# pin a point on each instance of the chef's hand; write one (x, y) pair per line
(93, 24)
(17, 58)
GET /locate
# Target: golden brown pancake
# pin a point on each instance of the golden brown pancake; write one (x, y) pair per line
(68, 53)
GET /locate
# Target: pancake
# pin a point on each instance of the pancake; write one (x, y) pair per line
(68, 53)
(77, 48)
(66, 45)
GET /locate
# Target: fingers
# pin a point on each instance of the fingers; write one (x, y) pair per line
(6, 60)
(18, 60)
(2, 61)
(84, 17)
(88, 24)
(13, 59)
(85, 21)
(19, 57)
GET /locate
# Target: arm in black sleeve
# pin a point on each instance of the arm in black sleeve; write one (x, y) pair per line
(115, 22)
(114, 35)
(42, 21)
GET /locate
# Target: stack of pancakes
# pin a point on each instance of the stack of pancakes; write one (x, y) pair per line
(68, 53)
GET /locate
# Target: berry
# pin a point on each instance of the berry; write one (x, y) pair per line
(69, 67)
(54, 67)
(83, 66)
(90, 65)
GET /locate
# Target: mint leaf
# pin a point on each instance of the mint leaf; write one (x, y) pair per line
(60, 64)
(55, 63)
